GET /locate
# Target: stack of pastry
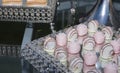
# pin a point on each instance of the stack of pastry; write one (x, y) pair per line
(32, 3)
(11, 2)
(79, 48)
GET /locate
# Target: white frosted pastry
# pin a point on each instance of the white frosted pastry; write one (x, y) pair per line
(88, 45)
(61, 55)
(92, 27)
(32, 3)
(11, 2)
(106, 54)
(61, 39)
(49, 45)
(72, 35)
(108, 33)
(76, 65)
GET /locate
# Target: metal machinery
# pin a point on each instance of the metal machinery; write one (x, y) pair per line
(103, 11)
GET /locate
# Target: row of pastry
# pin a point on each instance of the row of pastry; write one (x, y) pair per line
(80, 47)
(28, 2)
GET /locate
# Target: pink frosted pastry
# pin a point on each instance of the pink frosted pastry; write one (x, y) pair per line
(88, 45)
(106, 54)
(90, 58)
(108, 34)
(99, 39)
(73, 48)
(89, 69)
(116, 46)
(111, 68)
(61, 55)
(72, 35)
(76, 65)
(82, 29)
(61, 39)
(82, 32)
(118, 40)
(49, 45)
(92, 27)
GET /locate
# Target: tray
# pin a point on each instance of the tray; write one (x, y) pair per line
(41, 60)
(41, 14)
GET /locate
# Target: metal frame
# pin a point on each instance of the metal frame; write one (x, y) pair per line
(26, 68)
(41, 14)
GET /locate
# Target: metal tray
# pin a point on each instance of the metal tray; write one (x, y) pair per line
(41, 60)
(41, 14)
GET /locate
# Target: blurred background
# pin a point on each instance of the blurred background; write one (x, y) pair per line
(11, 33)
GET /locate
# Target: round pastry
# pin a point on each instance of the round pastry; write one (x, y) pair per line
(61, 55)
(71, 56)
(72, 35)
(111, 68)
(88, 45)
(49, 45)
(92, 27)
(90, 58)
(82, 32)
(61, 39)
(73, 48)
(107, 51)
(76, 65)
(89, 68)
(108, 33)
(82, 29)
(116, 46)
(99, 37)
(106, 54)
(118, 40)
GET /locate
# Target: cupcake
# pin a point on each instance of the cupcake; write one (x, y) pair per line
(99, 39)
(108, 34)
(82, 32)
(61, 55)
(90, 58)
(73, 48)
(61, 39)
(106, 54)
(76, 65)
(116, 46)
(49, 45)
(92, 27)
(72, 35)
(111, 68)
(88, 45)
